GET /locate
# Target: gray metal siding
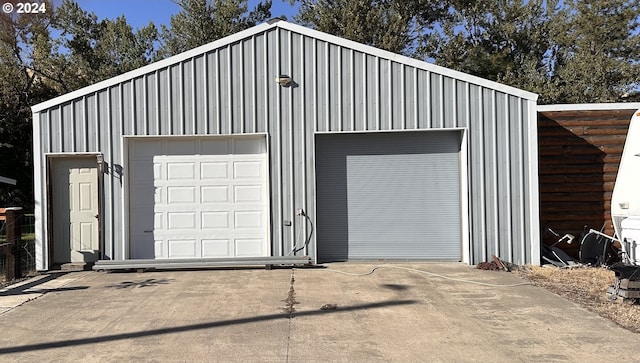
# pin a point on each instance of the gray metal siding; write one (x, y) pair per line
(231, 90)
(388, 196)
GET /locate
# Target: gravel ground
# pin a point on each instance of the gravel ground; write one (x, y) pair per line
(586, 286)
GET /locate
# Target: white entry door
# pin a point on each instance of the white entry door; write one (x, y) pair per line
(198, 197)
(75, 209)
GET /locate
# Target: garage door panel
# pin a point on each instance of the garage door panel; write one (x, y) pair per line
(180, 171)
(181, 220)
(214, 170)
(247, 169)
(215, 220)
(248, 219)
(215, 194)
(211, 198)
(248, 246)
(248, 193)
(178, 195)
(216, 248)
(182, 248)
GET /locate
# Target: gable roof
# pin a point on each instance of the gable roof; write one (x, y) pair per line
(273, 24)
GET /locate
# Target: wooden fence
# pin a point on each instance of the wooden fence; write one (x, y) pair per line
(579, 155)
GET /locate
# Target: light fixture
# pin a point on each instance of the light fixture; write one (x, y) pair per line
(283, 80)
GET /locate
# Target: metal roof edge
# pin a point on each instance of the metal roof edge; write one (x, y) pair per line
(408, 60)
(275, 23)
(589, 106)
(154, 66)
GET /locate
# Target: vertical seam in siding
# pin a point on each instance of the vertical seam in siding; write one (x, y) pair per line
(496, 174)
(72, 123)
(507, 153)
(241, 101)
(521, 185)
(279, 144)
(390, 91)
(134, 128)
(378, 96)
(454, 102)
(442, 100)
(303, 138)
(111, 181)
(415, 99)
(403, 101)
(85, 120)
(340, 102)
(365, 95)
(181, 90)
(158, 101)
(218, 94)
(205, 93)
(428, 101)
(353, 91)
(482, 171)
(315, 84)
(169, 102)
(229, 90)
(60, 127)
(327, 88)
(292, 168)
(194, 96)
(145, 112)
(254, 89)
(266, 84)
(96, 123)
(49, 130)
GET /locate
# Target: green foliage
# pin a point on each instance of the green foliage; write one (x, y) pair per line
(203, 21)
(387, 24)
(568, 52)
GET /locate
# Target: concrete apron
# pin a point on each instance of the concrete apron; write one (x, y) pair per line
(303, 315)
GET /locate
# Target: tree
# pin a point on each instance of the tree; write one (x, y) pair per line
(596, 55)
(568, 52)
(97, 50)
(388, 24)
(35, 67)
(24, 44)
(203, 21)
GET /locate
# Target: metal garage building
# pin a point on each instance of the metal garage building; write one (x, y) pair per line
(221, 152)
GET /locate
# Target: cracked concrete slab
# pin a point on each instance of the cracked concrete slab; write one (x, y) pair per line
(391, 315)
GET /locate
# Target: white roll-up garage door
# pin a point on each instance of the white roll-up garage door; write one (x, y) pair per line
(198, 197)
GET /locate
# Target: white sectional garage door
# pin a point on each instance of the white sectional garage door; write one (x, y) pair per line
(198, 197)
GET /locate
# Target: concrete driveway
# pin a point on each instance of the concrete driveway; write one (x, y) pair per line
(247, 315)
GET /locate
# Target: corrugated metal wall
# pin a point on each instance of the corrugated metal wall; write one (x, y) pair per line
(338, 86)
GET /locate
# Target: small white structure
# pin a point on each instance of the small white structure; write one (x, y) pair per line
(625, 201)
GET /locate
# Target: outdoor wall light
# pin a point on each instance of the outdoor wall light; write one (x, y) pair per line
(284, 80)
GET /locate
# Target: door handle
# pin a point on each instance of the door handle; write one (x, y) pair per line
(148, 231)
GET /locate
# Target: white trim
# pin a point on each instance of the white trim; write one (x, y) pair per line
(340, 42)
(589, 107)
(465, 226)
(465, 196)
(40, 219)
(534, 196)
(389, 131)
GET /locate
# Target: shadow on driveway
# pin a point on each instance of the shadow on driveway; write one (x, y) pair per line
(178, 329)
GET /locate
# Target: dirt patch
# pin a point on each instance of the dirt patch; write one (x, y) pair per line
(586, 286)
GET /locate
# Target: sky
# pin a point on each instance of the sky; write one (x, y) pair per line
(140, 12)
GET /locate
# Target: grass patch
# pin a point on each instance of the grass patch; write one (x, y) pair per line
(586, 286)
